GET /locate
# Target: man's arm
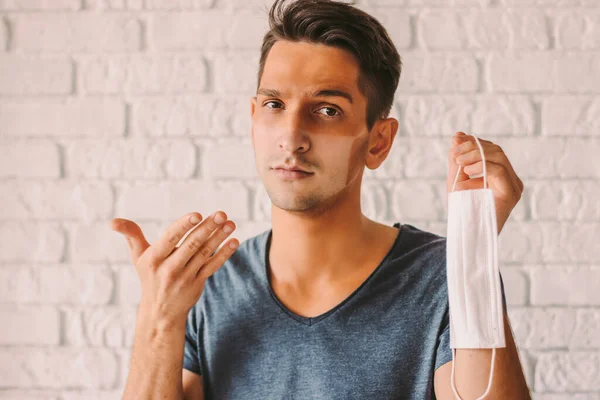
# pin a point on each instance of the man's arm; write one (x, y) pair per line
(156, 361)
(472, 372)
(193, 388)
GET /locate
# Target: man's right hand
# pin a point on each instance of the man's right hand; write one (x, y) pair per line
(173, 278)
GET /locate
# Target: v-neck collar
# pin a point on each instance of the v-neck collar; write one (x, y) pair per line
(310, 321)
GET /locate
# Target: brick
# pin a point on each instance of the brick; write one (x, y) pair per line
(85, 284)
(125, 364)
(437, 73)
(29, 159)
(236, 73)
(571, 116)
(564, 200)
(543, 328)
(179, 198)
(440, 29)
(424, 157)
(3, 35)
(520, 242)
(20, 74)
(565, 396)
(440, 3)
(247, 30)
(30, 241)
(373, 199)
(516, 285)
(549, 3)
(575, 242)
(577, 29)
(585, 331)
(437, 115)
(540, 160)
(578, 158)
(192, 115)
(561, 371)
(554, 285)
(256, 5)
(189, 30)
(479, 115)
(92, 394)
(578, 72)
(129, 159)
(130, 288)
(396, 22)
(29, 325)
(178, 4)
(76, 32)
(20, 394)
(101, 327)
(405, 206)
(22, 5)
(37, 368)
(142, 74)
(70, 117)
(97, 242)
(113, 4)
(503, 116)
(243, 154)
(521, 72)
(50, 200)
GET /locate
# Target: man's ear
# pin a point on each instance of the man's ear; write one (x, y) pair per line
(381, 139)
(252, 105)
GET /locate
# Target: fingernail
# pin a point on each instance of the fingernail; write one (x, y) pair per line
(219, 219)
(227, 229)
(194, 219)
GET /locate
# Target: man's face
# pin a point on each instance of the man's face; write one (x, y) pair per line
(325, 134)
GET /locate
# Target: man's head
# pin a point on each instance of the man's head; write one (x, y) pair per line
(326, 82)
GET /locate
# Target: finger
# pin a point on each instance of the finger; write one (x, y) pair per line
(133, 234)
(497, 176)
(217, 260)
(208, 249)
(494, 154)
(173, 234)
(452, 165)
(195, 241)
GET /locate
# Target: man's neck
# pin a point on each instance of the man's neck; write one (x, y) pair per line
(305, 251)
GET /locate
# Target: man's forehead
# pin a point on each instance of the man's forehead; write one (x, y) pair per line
(316, 65)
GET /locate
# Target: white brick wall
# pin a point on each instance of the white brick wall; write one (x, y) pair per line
(140, 109)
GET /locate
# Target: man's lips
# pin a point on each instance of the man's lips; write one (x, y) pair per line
(291, 174)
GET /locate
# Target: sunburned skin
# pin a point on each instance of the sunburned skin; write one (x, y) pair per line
(325, 135)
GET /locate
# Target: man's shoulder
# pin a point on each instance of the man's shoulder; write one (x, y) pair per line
(421, 241)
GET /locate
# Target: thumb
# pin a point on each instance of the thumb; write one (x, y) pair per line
(133, 234)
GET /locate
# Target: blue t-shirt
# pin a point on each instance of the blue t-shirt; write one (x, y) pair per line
(384, 341)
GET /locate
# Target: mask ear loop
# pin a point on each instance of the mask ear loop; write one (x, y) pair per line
(485, 185)
(493, 349)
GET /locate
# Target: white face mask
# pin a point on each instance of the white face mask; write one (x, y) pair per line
(474, 296)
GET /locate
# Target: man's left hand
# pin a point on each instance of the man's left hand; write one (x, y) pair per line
(501, 177)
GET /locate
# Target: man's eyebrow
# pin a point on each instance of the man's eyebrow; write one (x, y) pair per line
(318, 93)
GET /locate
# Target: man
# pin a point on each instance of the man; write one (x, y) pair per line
(327, 304)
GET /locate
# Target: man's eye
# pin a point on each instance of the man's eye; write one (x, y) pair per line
(331, 109)
(269, 102)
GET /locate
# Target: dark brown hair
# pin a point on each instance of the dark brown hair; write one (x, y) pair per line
(343, 26)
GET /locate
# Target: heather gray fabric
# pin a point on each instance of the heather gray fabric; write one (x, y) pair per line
(383, 342)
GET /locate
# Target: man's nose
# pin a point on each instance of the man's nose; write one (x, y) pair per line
(294, 135)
